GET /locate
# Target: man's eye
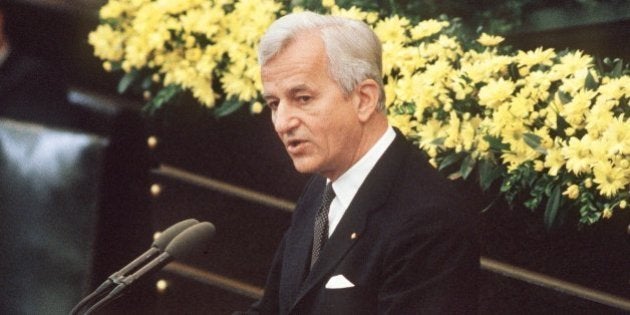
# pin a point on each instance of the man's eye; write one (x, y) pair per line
(272, 105)
(304, 98)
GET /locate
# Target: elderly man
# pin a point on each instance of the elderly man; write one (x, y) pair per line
(377, 229)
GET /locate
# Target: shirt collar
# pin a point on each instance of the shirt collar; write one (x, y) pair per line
(347, 185)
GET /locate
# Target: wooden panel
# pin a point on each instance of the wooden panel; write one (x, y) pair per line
(247, 233)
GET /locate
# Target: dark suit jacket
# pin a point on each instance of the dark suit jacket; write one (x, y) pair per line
(415, 252)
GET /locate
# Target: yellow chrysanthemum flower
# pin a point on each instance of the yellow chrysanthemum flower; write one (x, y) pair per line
(402, 122)
(113, 9)
(578, 155)
(496, 92)
(572, 192)
(256, 108)
(609, 178)
(468, 133)
(515, 158)
(570, 64)
(107, 43)
(452, 131)
(607, 213)
(535, 57)
(618, 135)
(521, 106)
(554, 161)
(598, 119)
(615, 88)
(328, 3)
(355, 13)
(489, 40)
(392, 29)
(427, 28)
(576, 110)
(429, 131)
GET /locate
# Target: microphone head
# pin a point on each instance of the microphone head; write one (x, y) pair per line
(193, 241)
(171, 232)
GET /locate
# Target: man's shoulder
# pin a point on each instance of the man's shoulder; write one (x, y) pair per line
(422, 193)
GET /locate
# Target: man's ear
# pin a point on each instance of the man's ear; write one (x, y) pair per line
(366, 99)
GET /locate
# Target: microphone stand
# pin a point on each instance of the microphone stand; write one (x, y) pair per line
(98, 293)
(154, 265)
(193, 240)
(117, 278)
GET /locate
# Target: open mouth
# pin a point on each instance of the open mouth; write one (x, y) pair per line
(294, 145)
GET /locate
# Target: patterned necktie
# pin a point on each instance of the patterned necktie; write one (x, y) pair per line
(320, 234)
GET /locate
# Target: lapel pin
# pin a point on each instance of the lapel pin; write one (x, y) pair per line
(353, 236)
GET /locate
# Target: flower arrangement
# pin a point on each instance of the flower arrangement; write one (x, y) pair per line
(548, 128)
(203, 47)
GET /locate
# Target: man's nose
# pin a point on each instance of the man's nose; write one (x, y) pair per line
(284, 119)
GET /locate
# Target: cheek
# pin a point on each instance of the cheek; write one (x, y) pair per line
(337, 134)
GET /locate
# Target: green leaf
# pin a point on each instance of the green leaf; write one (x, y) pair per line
(549, 186)
(564, 97)
(590, 82)
(513, 69)
(228, 107)
(561, 124)
(532, 203)
(111, 21)
(551, 211)
(495, 143)
(506, 186)
(126, 81)
(146, 83)
(488, 172)
(449, 160)
(163, 96)
(617, 71)
(532, 140)
(438, 141)
(468, 164)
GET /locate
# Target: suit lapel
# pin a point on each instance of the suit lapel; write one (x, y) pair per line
(370, 196)
(298, 252)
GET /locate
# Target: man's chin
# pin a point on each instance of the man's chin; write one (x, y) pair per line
(304, 167)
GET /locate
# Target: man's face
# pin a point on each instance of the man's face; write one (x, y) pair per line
(315, 120)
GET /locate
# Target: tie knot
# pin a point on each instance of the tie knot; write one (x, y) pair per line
(329, 194)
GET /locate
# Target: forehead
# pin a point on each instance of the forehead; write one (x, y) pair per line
(303, 58)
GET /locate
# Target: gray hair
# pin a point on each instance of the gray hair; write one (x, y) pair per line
(354, 52)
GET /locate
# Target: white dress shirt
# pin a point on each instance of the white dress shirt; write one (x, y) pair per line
(347, 185)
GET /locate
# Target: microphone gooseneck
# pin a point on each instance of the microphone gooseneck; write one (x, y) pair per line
(191, 242)
(157, 247)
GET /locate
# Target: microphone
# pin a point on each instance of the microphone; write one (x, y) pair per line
(189, 243)
(158, 246)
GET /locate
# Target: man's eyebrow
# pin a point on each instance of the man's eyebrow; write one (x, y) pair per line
(292, 91)
(298, 88)
(267, 96)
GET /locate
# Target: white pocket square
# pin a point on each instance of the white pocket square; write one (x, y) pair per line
(339, 282)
